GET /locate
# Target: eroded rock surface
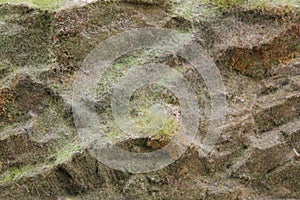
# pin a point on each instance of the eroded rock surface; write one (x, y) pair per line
(256, 157)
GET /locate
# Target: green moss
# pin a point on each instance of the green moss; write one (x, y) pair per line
(67, 152)
(44, 4)
(195, 10)
(171, 126)
(14, 173)
(117, 70)
(148, 127)
(62, 155)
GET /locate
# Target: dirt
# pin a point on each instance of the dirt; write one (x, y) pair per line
(257, 52)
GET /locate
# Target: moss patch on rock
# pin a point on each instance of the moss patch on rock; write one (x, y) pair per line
(44, 4)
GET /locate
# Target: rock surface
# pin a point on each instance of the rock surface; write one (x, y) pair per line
(257, 52)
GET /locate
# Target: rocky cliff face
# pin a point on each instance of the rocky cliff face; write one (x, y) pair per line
(256, 50)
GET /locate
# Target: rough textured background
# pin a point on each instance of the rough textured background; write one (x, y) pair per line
(257, 51)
